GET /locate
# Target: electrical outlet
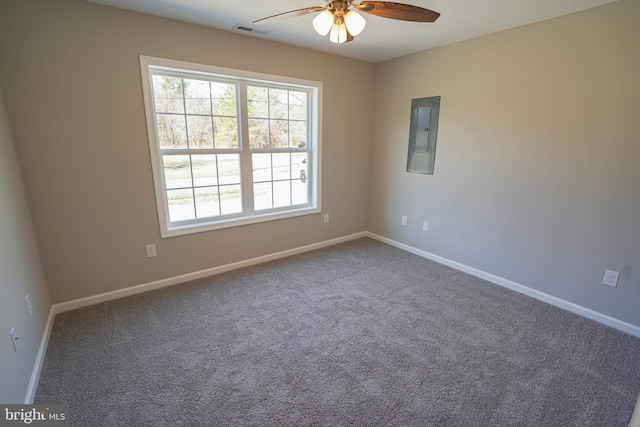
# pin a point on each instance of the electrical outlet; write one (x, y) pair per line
(610, 278)
(14, 339)
(27, 301)
(151, 251)
(326, 218)
(404, 220)
(425, 226)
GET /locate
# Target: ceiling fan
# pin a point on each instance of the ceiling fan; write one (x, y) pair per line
(340, 18)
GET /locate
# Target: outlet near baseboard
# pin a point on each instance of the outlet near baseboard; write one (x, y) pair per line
(611, 278)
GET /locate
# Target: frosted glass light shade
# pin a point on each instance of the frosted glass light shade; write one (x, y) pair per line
(323, 22)
(338, 33)
(355, 22)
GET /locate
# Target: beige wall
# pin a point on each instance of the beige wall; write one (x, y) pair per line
(70, 73)
(20, 274)
(537, 172)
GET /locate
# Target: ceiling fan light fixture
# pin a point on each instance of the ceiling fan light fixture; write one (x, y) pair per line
(338, 33)
(339, 18)
(355, 22)
(323, 22)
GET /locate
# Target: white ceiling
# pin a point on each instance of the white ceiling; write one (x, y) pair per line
(381, 40)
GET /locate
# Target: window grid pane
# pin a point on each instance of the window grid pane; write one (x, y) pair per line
(181, 206)
(262, 167)
(172, 131)
(197, 97)
(177, 171)
(230, 199)
(281, 193)
(202, 185)
(207, 202)
(223, 99)
(195, 114)
(263, 196)
(280, 180)
(277, 118)
(205, 170)
(200, 132)
(168, 96)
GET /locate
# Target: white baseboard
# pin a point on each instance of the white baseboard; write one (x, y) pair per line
(635, 417)
(108, 296)
(550, 299)
(37, 366)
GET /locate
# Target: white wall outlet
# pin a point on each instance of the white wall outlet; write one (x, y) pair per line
(14, 339)
(404, 220)
(425, 226)
(151, 251)
(610, 278)
(27, 301)
(326, 218)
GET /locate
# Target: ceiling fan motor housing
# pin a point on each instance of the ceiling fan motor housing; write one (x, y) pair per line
(339, 6)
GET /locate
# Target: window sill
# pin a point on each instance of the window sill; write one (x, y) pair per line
(192, 228)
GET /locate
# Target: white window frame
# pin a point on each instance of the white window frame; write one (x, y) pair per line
(249, 216)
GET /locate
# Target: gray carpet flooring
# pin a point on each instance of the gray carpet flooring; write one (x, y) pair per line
(360, 334)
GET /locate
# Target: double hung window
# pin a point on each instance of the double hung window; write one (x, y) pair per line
(229, 147)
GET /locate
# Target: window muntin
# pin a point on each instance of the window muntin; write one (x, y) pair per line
(230, 147)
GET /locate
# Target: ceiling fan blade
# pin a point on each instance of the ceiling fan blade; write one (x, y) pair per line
(392, 10)
(290, 14)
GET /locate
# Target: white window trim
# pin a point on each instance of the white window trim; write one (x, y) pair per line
(168, 229)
